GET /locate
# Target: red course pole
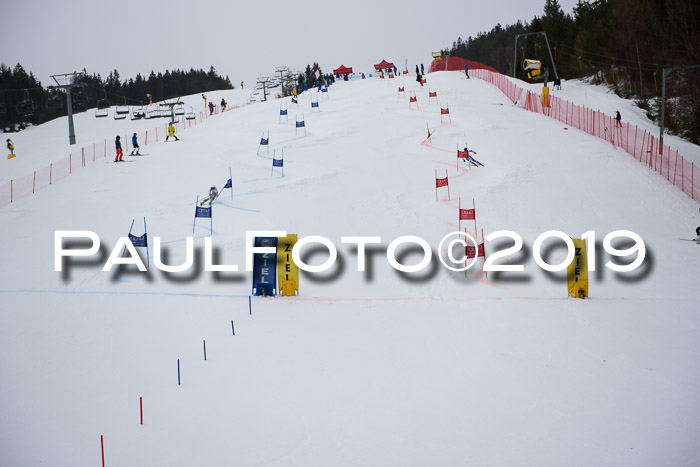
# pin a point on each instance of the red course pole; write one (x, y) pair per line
(141, 408)
(102, 445)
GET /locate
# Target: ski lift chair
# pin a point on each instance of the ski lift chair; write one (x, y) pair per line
(152, 112)
(138, 112)
(54, 102)
(26, 107)
(180, 109)
(190, 116)
(121, 110)
(103, 106)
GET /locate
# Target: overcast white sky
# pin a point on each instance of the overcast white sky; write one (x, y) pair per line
(241, 40)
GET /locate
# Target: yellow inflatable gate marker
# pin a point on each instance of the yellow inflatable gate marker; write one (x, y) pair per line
(577, 271)
(287, 270)
(545, 96)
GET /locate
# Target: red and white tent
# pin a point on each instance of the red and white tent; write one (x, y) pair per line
(342, 70)
(384, 65)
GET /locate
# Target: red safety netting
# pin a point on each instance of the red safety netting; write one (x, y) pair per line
(60, 169)
(21, 187)
(640, 144)
(457, 64)
(5, 193)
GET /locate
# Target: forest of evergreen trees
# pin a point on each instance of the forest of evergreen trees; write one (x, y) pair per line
(17, 87)
(624, 43)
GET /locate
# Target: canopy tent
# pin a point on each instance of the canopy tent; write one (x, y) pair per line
(342, 70)
(384, 65)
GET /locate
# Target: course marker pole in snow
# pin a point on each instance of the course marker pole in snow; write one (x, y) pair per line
(277, 162)
(233, 330)
(413, 98)
(264, 142)
(429, 133)
(102, 446)
(141, 408)
(440, 182)
(178, 371)
(299, 124)
(250, 307)
(201, 211)
(204, 343)
(445, 111)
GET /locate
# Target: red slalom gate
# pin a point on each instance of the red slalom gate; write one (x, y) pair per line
(467, 214)
(445, 111)
(442, 182)
(402, 90)
(413, 99)
(432, 94)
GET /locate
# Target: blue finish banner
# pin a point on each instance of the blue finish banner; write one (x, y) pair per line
(265, 267)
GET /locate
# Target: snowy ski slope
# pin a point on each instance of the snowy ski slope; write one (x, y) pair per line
(373, 368)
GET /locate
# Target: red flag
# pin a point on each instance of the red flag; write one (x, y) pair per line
(445, 111)
(413, 99)
(440, 182)
(472, 252)
(467, 214)
(432, 94)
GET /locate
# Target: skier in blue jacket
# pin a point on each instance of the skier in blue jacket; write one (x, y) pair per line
(466, 70)
(135, 144)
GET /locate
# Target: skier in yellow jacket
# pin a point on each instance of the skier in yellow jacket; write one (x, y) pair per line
(171, 132)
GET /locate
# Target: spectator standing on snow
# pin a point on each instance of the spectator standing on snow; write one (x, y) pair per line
(422, 71)
(211, 108)
(171, 131)
(223, 104)
(557, 83)
(417, 70)
(618, 119)
(135, 144)
(419, 78)
(466, 71)
(118, 147)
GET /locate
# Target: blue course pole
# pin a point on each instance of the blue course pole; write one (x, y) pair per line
(196, 203)
(148, 260)
(178, 371)
(231, 178)
(250, 308)
(205, 348)
(132, 226)
(233, 331)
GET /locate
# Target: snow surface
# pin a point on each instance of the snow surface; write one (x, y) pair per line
(374, 368)
(38, 146)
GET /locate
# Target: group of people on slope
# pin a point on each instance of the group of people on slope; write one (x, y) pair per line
(136, 149)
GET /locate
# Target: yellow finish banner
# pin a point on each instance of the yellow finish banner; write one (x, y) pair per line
(577, 271)
(287, 270)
